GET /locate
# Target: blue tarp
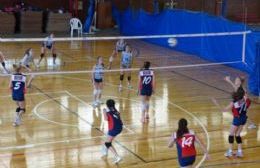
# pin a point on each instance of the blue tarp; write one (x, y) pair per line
(216, 49)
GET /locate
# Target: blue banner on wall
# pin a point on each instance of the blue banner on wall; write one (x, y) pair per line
(216, 49)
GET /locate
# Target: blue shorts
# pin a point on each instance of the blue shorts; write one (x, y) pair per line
(17, 97)
(187, 161)
(98, 80)
(146, 92)
(115, 132)
(237, 121)
(47, 46)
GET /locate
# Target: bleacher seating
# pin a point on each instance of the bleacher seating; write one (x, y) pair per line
(58, 22)
(31, 22)
(7, 23)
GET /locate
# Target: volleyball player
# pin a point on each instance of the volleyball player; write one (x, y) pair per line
(27, 59)
(115, 127)
(120, 47)
(239, 107)
(185, 142)
(2, 61)
(146, 88)
(17, 85)
(126, 63)
(97, 79)
(48, 43)
(238, 85)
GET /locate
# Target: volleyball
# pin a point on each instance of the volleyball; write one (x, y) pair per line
(172, 42)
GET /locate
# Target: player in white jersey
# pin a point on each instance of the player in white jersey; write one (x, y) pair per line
(126, 63)
(27, 59)
(97, 79)
(120, 47)
(48, 43)
(2, 61)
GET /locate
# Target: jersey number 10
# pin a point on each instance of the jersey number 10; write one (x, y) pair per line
(147, 80)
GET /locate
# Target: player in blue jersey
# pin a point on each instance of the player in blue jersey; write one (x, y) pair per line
(18, 86)
(126, 63)
(146, 89)
(97, 79)
(48, 43)
(185, 142)
(115, 127)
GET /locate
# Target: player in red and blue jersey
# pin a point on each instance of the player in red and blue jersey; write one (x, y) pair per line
(18, 86)
(239, 107)
(115, 127)
(185, 141)
(238, 86)
(146, 88)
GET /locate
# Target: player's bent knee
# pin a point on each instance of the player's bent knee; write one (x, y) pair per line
(42, 55)
(108, 144)
(22, 110)
(238, 139)
(54, 55)
(231, 139)
(129, 78)
(3, 64)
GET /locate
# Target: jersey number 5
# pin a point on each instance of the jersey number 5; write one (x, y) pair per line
(17, 85)
(186, 142)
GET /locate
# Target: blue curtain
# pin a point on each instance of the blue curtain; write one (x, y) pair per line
(90, 15)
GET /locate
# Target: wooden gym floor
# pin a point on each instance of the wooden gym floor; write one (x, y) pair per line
(61, 129)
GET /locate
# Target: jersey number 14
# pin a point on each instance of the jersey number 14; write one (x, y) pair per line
(186, 142)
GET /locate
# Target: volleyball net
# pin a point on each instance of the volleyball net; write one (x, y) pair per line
(78, 55)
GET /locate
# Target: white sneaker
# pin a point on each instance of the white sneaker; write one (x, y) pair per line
(251, 126)
(37, 66)
(104, 151)
(239, 154)
(120, 88)
(228, 153)
(130, 86)
(117, 159)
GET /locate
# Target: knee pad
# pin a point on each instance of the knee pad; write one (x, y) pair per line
(231, 139)
(3, 64)
(95, 92)
(18, 109)
(108, 144)
(42, 55)
(54, 55)
(238, 139)
(129, 78)
(121, 77)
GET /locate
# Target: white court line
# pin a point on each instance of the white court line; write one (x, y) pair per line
(35, 111)
(46, 143)
(34, 94)
(179, 107)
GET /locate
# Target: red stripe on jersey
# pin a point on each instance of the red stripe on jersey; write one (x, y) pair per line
(248, 103)
(110, 121)
(235, 112)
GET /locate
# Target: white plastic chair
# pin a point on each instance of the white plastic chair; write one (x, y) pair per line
(75, 24)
